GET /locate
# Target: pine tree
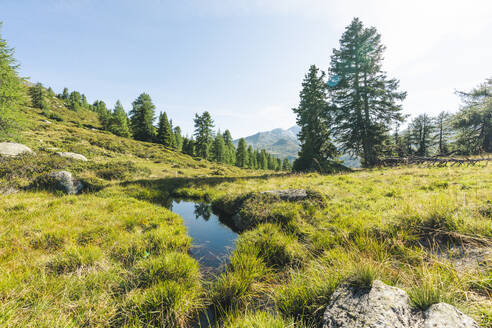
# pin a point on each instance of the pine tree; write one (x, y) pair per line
(443, 132)
(50, 92)
(251, 158)
(119, 121)
(11, 90)
(189, 147)
(83, 101)
(241, 154)
(74, 101)
(103, 113)
(263, 160)
(37, 96)
(365, 102)
(165, 135)
(422, 131)
(230, 149)
(286, 165)
(179, 138)
(142, 118)
(218, 149)
(474, 120)
(203, 134)
(317, 150)
(64, 95)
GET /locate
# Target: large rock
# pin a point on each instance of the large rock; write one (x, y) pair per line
(76, 156)
(60, 180)
(290, 195)
(384, 306)
(13, 149)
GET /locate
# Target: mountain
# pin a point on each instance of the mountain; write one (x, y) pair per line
(279, 142)
(284, 143)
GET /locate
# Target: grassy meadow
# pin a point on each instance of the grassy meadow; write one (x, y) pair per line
(114, 256)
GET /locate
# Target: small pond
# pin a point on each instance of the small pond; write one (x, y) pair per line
(212, 240)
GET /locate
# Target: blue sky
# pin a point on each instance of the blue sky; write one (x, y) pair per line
(242, 60)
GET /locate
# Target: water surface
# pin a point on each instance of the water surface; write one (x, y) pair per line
(212, 240)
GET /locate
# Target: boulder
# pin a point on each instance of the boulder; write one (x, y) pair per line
(13, 149)
(384, 306)
(58, 181)
(443, 315)
(290, 195)
(75, 156)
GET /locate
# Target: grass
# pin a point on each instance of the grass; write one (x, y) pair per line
(115, 256)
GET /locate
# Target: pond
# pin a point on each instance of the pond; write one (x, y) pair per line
(212, 240)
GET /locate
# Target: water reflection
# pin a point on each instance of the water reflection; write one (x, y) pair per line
(212, 240)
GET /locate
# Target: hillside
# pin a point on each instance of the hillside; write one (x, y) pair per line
(284, 143)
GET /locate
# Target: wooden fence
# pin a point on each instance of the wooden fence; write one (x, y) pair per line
(433, 161)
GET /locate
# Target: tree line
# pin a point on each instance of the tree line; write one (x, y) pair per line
(356, 108)
(139, 125)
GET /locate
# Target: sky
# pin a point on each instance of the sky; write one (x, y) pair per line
(242, 60)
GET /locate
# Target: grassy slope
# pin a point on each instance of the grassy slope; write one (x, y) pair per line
(116, 256)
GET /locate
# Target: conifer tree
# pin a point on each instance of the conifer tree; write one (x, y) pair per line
(422, 131)
(364, 100)
(218, 149)
(142, 118)
(189, 147)
(442, 122)
(83, 101)
(64, 95)
(203, 134)
(37, 96)
(179, 138)
(264, 160)
(317, 150)
(279, 164)
(474, 120)
(11, 91)
(286, 165)
(165, 135)
(50, 92)
(119, 121)
(103, 113)
(230, 149)
(241, 154)
(74, 101)
(251, 158)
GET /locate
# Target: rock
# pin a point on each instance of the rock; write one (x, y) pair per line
(8, 191)
(290, 195)
(385, 306)
(443, 315)
(72, 156)
(381, 306)
(60, 180)
(14, 149)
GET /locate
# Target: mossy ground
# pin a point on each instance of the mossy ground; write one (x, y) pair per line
(115, 256)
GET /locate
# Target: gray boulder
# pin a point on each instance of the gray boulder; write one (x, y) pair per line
(13, 149)
(384, 306)
(60, 180)
(290, 195)
(75, 156)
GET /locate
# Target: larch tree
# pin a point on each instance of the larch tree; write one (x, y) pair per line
(178, 138)
(37, 96)
(317, 150)
(442, 122)
(422, 130)
(241, 154)
(474, 120)
(219, 149)
(11, 90)
(103, 113)
(230, 149)
(119, 121)
(203, 134)
(142, 118)
(365, 101)
(165, 135)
